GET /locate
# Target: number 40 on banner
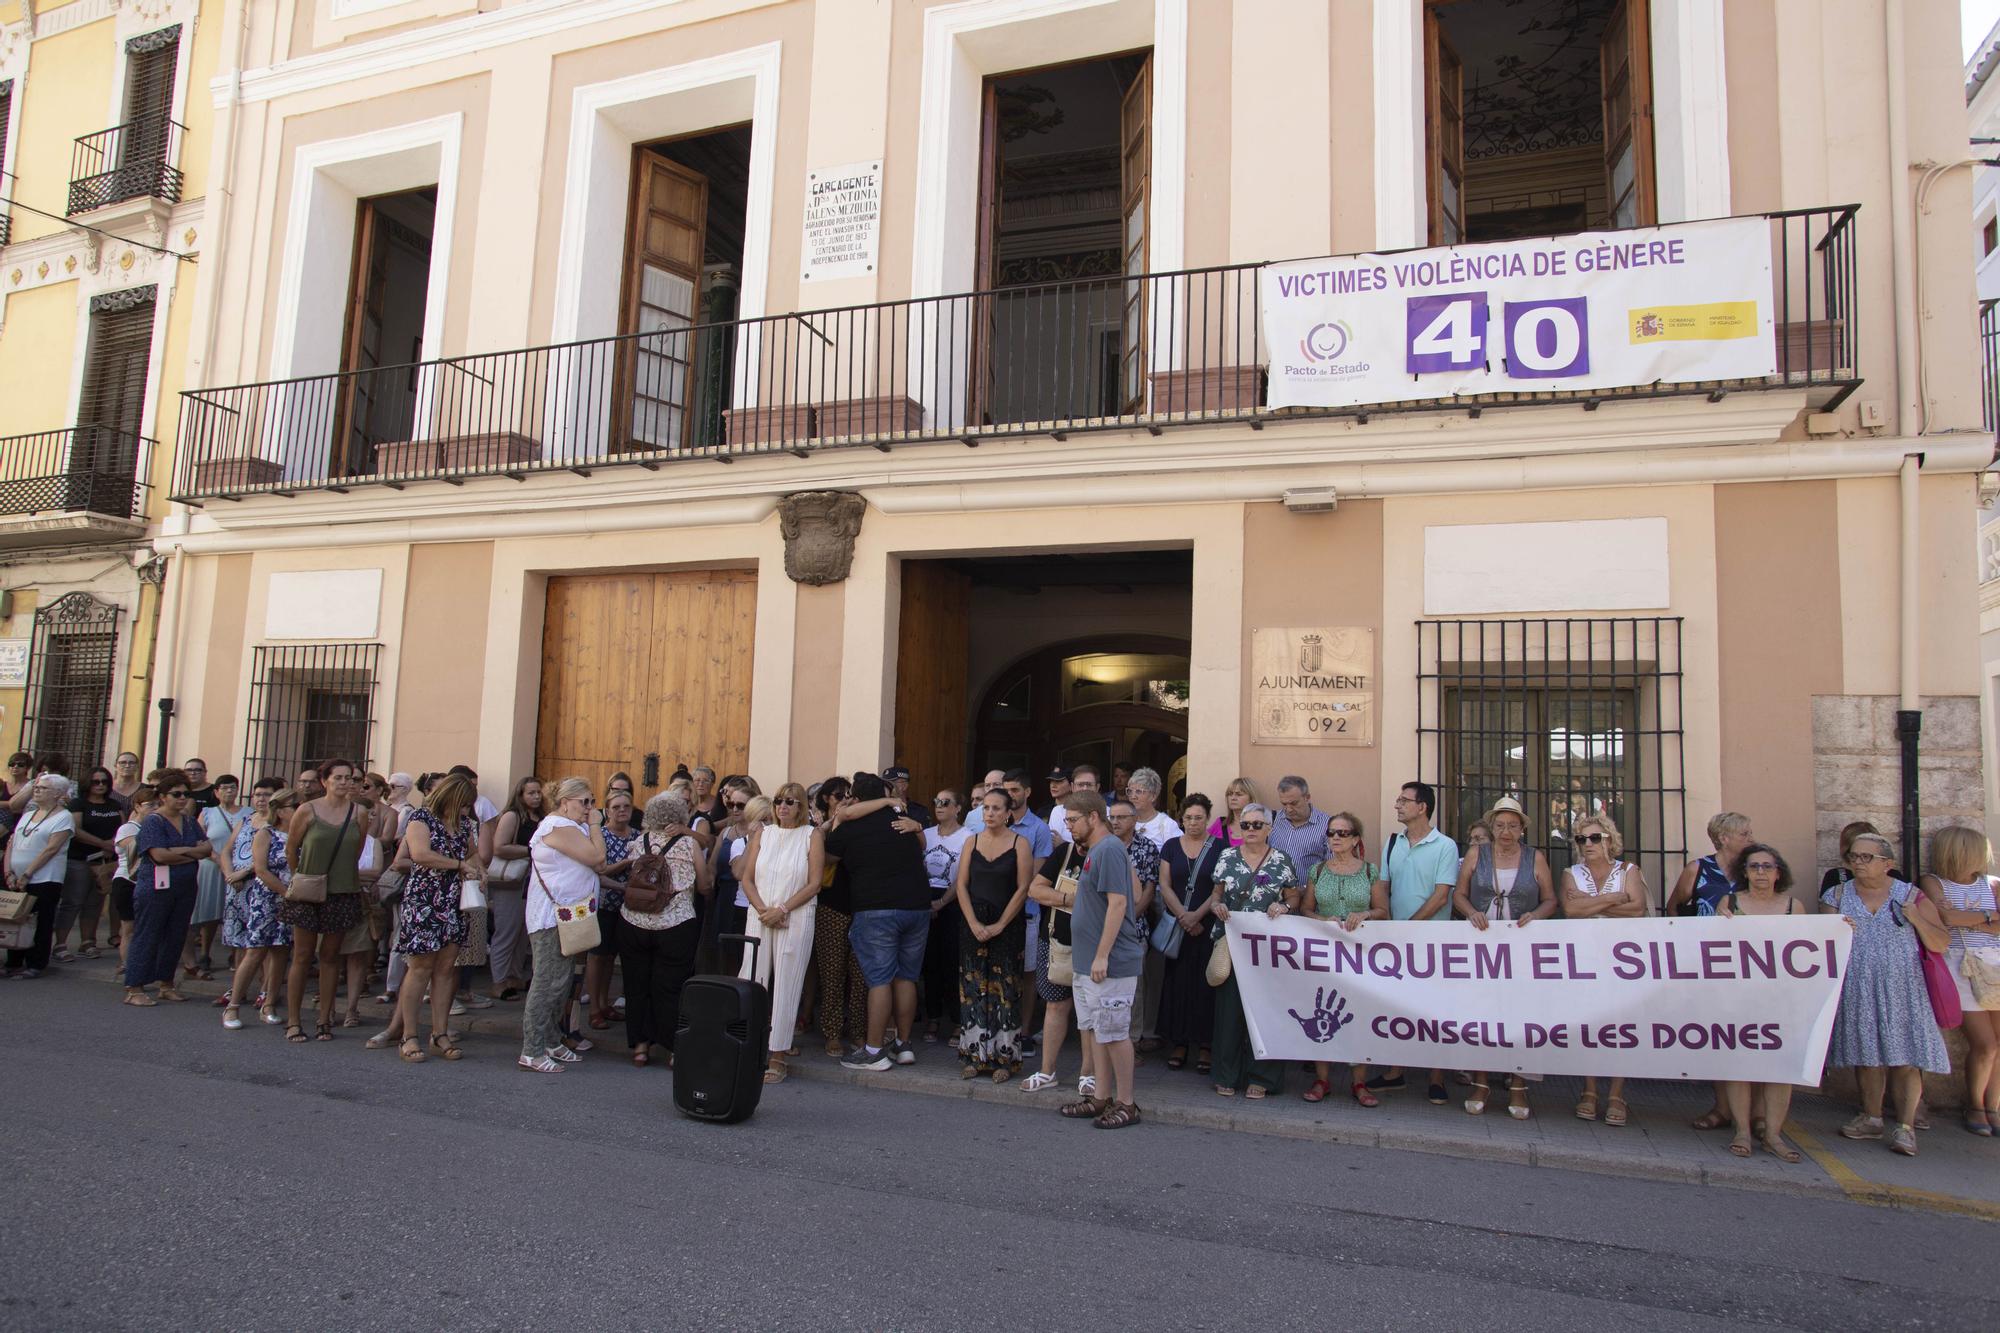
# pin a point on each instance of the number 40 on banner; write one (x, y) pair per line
(1541, 339)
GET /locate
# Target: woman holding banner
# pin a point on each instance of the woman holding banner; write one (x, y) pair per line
(1503, 882)
(1958, 887)
(1601, 885)
(1885, 1028)
(1249, 878)
(1342, 889)
(1759, 1109)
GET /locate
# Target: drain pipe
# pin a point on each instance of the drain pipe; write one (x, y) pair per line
(1911, 415)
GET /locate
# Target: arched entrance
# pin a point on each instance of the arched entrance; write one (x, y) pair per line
(1098, 701)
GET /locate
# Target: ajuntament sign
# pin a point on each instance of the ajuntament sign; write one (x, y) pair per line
(1312, 686)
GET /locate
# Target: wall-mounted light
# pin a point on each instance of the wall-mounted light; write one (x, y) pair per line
(1318, 500)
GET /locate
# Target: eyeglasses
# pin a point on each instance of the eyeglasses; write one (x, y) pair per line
(1863, 858)
(1334, 832)
(786, 800)
(1591, 837)
(734, 805)
(1252, 824)
(178, 794)
(1767, 867)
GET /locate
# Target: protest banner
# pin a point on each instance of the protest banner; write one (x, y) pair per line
(1649, 305)
(1749, 998)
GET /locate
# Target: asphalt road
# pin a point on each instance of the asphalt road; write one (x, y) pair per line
(165, 1173)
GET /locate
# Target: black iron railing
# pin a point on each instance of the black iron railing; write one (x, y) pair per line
(79, 469)
(1989, 366)
(6, 226)
(1163, 349)
(130, 161)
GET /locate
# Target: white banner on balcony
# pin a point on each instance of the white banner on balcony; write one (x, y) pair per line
(1596, 310)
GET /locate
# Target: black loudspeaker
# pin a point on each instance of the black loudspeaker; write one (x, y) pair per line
(722, 1045)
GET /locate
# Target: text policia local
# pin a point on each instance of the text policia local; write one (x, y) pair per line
(1451, 270)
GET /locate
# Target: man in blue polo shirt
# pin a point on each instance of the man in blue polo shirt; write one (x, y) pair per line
(1419, 870)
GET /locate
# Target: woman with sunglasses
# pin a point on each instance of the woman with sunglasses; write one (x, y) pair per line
(1342, 888)
(1885, 1029)
(1759, 1109)
(124, 778)
(219, 823)
(1503, 882)
(89, 859)
(1601, 885)
(782, 864)
(170, 846)
(1253, 877)
(324, 838)
(251, 925)
(565, 855)
(944, 843)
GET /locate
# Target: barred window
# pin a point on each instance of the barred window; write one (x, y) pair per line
(1568, 717)
(71, 664)
(310, 702)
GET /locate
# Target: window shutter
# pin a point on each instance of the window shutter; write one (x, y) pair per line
(1135, 135)
(1625, 61)
(149, 97)
(117, 360)
(6, 113)
(1444, 132)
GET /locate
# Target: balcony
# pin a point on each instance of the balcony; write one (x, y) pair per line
(130, 161)
(75, 486)
(1166, 350)
(6, 228)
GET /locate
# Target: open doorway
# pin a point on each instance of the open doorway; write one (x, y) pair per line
(1539, 117)
(387, 293)
(1065, 175)
(683, 269)
(1031, 661)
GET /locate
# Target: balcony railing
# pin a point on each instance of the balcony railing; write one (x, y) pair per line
(130, 161)
(6, 226)
(79, 469)
(1150, 352)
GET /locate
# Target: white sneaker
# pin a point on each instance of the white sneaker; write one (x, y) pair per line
(1038, 1082)
(458, 1009)
(474, 1000)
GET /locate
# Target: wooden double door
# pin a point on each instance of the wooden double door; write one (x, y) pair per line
(638, 665)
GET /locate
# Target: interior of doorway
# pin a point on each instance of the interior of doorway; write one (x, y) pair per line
(1028, 661)
(387, 295)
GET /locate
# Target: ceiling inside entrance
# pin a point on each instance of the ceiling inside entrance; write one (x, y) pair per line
(1105, 571)
(1531, 73)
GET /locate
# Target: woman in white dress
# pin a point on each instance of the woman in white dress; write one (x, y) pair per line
(782, 868)
(1601, 885)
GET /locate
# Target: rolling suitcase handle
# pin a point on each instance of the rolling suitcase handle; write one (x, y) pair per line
(752, 940)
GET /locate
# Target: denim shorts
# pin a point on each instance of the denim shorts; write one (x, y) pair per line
(889, 944)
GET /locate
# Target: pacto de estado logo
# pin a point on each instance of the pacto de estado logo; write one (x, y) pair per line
(1325, 341)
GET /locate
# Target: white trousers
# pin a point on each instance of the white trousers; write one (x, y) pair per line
(781, 963)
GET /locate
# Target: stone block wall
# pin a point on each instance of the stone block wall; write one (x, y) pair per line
(1857, 767)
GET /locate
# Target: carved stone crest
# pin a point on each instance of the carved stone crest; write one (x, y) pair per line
(819, 528)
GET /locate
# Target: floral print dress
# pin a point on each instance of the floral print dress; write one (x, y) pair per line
(1243, 889)
(429, 919)
(251, 919)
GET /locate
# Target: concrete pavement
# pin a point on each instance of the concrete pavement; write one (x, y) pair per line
(164, 1170)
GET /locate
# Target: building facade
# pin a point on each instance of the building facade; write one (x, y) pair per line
(800, 387)
(104, 119)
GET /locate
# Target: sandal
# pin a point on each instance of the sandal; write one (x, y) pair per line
(538, 1064)
(1202, 1063)
(1738, 1146)
(446, 1048)
(643, 1056)
(352, 1020)
(324, 1032)
(412, 1051)
(1317, 1092)
(63, 955)
(295, 1034)
(1714, 1119)
(835, 1049)
(1518, 1105)
(1256, 1092)
(1586, 1106)
(171, 995)
(777, 1073)
(599, 1022)
(1780, 1149)
(1118, 1116)
(1086, 1108)
(232, 1018)
(1476, 1104)
(1982, 1126)
(138, 999)
(1363, 1097)
(1036, 1082)
(89, 949)
(1614, 1112)
(564, 1054)
(1178, 1058)
(381, 1041)
(1221, 1091)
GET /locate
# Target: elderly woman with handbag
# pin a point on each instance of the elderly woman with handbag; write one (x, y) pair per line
(1252, 877)
(659, 930)
(1962, 892)
(564, 857)
(1886, 1028)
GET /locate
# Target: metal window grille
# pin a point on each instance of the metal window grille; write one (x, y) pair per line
(309, 702)
(72, 660)
(1568, 717)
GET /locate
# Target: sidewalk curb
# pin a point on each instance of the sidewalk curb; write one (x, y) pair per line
(1395, 1139)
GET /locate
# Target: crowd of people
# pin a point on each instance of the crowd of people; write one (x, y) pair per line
(883, 924)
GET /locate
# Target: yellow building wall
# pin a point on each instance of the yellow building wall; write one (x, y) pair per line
(66, 93)
(37, 347)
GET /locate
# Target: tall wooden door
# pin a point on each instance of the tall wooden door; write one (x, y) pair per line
(1135, 158)
(933, 645)
(662, 294)
(639, 664)
(1444, 132)
(1625, 64)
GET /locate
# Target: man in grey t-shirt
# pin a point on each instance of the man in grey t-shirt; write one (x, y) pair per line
(1110, 952)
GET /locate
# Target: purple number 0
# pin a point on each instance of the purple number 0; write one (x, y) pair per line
(1548, 339)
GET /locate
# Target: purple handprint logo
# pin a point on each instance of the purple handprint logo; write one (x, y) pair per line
(1323, 1022)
